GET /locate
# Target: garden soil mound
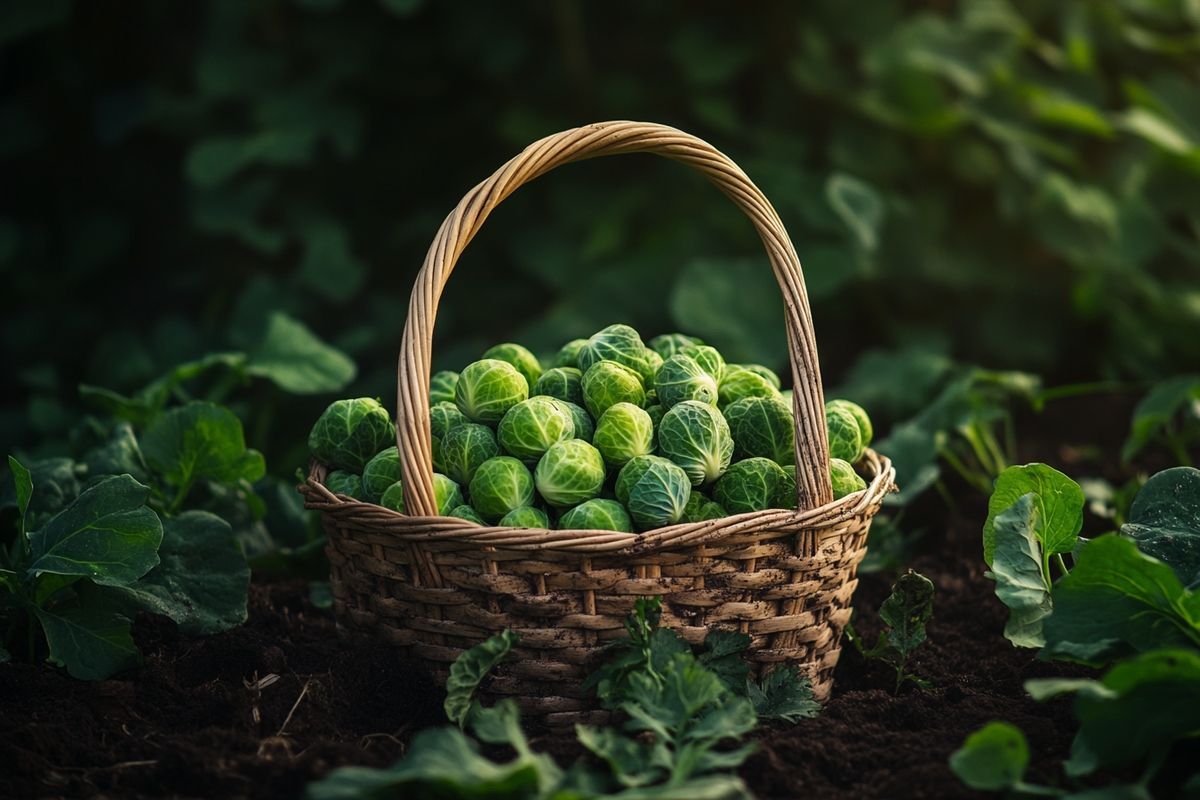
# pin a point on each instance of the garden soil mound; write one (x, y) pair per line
(261, 710)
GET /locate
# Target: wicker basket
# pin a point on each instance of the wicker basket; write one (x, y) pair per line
(437, 585)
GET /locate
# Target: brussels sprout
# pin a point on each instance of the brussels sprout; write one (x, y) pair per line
(668, 344)
(597, 515)
(786, 496)
(464, 511)
(750, 485)
(568, 355)
(570, 473)
(656, 411)
(845, 480)
(622, 432)
(653, 363)
(346, 483)
(584, 427)
(681, 378)
(619, 343)
(531, 426)
(654, 491)
(709, 359)
(845, 437)
(526, 362)
(607, 383)
(762, 426)
(500, 485)
(446, 493)
(441, 387)
(740, 382)
(865, 428)
(487, 389)
(699, 508)
(443, 417)
(466, 447)
(696, 437)
(349, 432)
(565, 383)
(768, 373)
(525, 517)
(393, 497)
(380, 472)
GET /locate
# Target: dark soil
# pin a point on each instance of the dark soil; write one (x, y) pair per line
(261, 710)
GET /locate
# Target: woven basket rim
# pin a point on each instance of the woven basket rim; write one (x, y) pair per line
(774, 523)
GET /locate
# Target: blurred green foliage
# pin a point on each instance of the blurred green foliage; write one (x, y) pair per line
(1013, 184)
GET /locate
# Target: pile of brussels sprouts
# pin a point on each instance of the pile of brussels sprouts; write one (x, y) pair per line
(615, 434)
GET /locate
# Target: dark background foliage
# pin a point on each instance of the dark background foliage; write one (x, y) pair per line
(1011, 184)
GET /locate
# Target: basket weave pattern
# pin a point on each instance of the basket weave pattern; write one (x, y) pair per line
(438, 585)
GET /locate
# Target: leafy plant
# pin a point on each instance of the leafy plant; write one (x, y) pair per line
(904, 613)
(678, 708)
(1169, 416)
(83, 574)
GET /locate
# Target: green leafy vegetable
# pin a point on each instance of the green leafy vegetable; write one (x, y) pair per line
(1164, 520)
(904, 613)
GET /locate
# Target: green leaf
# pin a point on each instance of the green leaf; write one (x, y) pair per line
(441, 762)
(57, 487)
(785, 694)
(92, 642)
(329, 267)
(1140, 707)
(1017, 568)
(1165, 521)
(914, 453)
(1058, 499)
(993, 758)
(735, 305)
(859, 206)
(22, 484)
(201, 582)
(200, 440)
(107, 535)
(722, 654)
(292, 357)
(469, 670)
(1117, 601)
(1157, 409)
(906, 610)
(121, 454)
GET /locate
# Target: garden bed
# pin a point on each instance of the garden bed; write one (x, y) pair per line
(191, 723)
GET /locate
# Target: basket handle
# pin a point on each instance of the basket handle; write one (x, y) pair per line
(413, 436)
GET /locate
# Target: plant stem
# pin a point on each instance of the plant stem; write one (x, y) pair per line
(1062, 565)
(180, 496)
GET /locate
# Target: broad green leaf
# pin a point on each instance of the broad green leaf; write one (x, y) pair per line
(1058, 499)
(197, 441)
(469, 669)
(1117, 601)
(784, 694)
(120, 455)
(914, 453)
(92, 642)
(993, 758)
(22, 485)
(107, 535)
(1165, 521)
(57, 485)
(439, 762)
(1156, 410)
(292, 357)
(723, 654)
(329, 267)
(906, 610)
(735, 305)
(1017, 568)
(1140, 707)
(201, 580)
(859, 206)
